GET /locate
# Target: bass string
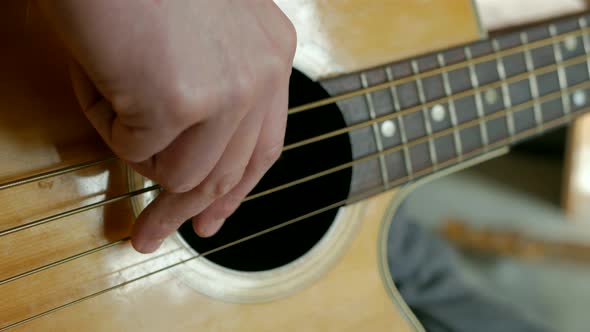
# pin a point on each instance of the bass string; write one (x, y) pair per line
(418, 108)
(417, 141)
(54, 173)
(65, 260)
(405, 112)
(76, 211)
(294, 111)
(327, 101)
(547, 126)
(430, 73)
(468, 124)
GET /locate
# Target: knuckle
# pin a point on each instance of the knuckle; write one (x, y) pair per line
(224, 184)
(172, 179)
(183, 104)
(241, 92)
(176, 186)
(270, 156)
(174, 183)
(166, 225)
(228, 206)
(123, 146)
(122, 102)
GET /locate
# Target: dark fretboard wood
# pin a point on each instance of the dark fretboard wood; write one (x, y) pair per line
(444, 108)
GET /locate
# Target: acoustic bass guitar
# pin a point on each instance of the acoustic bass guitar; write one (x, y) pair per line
(384, 96)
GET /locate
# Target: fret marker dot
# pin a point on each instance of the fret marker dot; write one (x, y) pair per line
(388, 129)
(438, 113)
(571, 43)
(579, 98)
(491, 96)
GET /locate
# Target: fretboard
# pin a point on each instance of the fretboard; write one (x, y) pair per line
(415, 117)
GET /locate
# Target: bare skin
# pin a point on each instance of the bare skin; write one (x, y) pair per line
(191, 93)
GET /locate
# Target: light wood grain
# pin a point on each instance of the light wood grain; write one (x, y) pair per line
(332, 304)
(337, 37)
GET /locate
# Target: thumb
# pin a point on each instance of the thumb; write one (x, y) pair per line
(96, 108)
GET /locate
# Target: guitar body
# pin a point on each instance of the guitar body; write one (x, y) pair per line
(342, 284)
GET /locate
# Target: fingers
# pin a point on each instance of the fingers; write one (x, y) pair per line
(268, 150)
(97, 109)
(138, 142)
(190, 158)
(169, 210)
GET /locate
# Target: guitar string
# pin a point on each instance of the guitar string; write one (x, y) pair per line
(408, 111)
(331, 100)
(90, 164)
(65, 260)
(78, 210)
(468, 124)
(547, 126)
(471, 123)
(460, 65)
(465, 125)
(54, 173)
(418, 108)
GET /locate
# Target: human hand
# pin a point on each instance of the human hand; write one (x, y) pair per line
(192, 94)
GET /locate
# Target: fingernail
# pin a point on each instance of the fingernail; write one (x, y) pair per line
(150, 247)
(210, 228)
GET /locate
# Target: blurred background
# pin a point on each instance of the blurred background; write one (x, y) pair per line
(521, 223)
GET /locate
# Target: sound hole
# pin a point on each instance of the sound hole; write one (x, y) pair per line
(282, 246)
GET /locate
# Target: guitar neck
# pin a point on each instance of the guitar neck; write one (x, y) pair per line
(445, 108)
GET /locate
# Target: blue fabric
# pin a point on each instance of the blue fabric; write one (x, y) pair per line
(425, 270)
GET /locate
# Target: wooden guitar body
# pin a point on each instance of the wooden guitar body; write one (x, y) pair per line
(77, 273)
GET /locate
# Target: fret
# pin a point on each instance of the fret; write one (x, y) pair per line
(384, 105)
(575, 74)
(586, 46)
(427, 63)
(507, 101)
(497, 129)
(376, 132)
(427, 124)
(414, 125)
(486, 72)
(366, 175)
(493, 98)
(561, 73)
(532, 82)
(585, 41)
(556, 108)
(452, 111)
(445, 148)
(572, 46)
(400, 123)
(540, 56)
(471, 138)
(382, 102)
(478, 101)
(420, 156)
(465, 108)
(567, 25)
(389, 133)
(407, 92)
(524, 119)
(480, 48)
(514, 64)
(432, 84)
(549, 82)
